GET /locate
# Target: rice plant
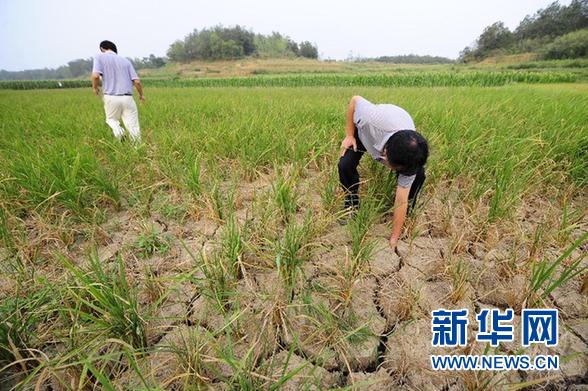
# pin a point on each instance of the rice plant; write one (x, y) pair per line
(335, 331)
(5, 232)
(151, 242)
(102, 303)
(381, 184)
(293, 250)
(219, 282)
(329, 195)
(70, 177)
(362, 246)
(90, 366)
(232, 246)
(570, 220)
(194, 361)
(543, 279)
(221, 201)
(193, 181)
(460, 274)
(24, 321)
(285, 196)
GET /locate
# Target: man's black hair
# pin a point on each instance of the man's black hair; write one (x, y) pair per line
(406, 151)
(107, 45)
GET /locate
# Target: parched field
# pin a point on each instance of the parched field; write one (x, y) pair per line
(211, 256)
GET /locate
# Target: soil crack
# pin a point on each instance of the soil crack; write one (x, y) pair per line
(373, 367)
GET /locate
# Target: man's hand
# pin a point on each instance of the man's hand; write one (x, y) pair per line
(400, 209)
(139, 88)
(348, 142)
(95, 78)
(393, 242)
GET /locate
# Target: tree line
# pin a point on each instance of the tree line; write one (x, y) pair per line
(220, 43)
(553, 32)
(215, 43)
(75, 69)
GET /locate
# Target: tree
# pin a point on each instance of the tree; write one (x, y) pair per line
(555, 20)
(571, 45)
(293, 47)
(240, 36)
(494, 37)
(80, 67)
(535, 33)
(155, 62)
(308, 50)
(274, 45)
(196, 45)
(177, 52)
(150, 62)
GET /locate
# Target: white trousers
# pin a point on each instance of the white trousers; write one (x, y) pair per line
(117, 107)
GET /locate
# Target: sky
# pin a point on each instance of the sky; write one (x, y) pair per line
(49, 33)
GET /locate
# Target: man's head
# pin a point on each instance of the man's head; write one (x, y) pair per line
(107, 45)
(406, 151)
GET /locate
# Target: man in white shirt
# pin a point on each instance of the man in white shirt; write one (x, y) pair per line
(118, 79)
(388, 134)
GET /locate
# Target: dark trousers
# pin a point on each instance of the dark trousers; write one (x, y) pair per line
(349, 177)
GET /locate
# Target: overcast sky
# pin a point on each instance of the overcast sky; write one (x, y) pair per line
(38, 33)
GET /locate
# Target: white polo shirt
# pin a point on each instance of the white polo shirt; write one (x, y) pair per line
(376, 124)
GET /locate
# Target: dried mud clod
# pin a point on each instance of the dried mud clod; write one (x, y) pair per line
(338, 331)
(377, 381)
(407, 357)
(427, 255)
(384, 261)
(571, 301)
(183, 355)
(396, 299)
(304, 374)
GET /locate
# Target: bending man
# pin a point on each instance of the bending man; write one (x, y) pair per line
(388, 134)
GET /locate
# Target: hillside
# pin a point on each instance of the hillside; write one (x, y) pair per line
(255, 66)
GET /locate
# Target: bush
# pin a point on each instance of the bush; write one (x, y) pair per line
(572, 45)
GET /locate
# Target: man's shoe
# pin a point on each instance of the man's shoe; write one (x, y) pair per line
(347, 216)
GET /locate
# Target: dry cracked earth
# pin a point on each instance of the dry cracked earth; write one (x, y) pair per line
(371, 330)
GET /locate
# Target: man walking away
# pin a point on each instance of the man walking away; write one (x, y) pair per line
(118, 78)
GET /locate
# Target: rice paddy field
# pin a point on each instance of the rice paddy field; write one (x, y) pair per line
(210, 257)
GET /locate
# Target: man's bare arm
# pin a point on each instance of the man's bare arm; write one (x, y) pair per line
(96, 82)
(400, 210)
(139, 88)
(349, 140)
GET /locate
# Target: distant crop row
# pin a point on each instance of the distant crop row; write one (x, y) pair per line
(422, 79)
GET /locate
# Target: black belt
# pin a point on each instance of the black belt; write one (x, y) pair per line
(119, 94)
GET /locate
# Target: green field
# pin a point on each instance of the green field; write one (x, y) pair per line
(252, 72)
(402, 78)
(210, 256)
